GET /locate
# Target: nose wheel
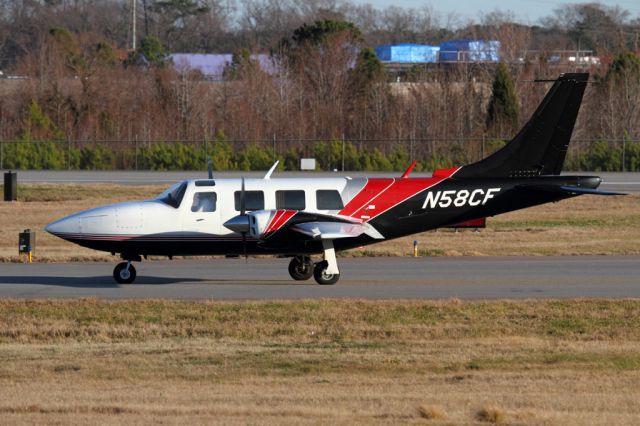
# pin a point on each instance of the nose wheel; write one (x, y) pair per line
(124, 273)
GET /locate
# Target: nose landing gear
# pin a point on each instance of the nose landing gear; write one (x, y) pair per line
(124, 273)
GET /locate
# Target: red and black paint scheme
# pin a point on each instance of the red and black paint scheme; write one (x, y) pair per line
(524, 173)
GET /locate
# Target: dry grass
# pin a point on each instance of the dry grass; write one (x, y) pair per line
(491, 414)
(345, 362)
(583, 225)
(431, 412)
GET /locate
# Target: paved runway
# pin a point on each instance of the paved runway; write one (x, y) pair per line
(625, 182)
(366, 278)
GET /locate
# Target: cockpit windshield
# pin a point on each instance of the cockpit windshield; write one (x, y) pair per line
(173, 196)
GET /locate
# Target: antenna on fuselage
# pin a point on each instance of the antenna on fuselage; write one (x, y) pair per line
(210, 167)
(409, 170)
(268, 175)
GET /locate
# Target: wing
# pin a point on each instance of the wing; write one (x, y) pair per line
(331, 230)
(269, 225)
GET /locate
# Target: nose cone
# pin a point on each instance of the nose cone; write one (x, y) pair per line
(94, 221)
(238, 223)
(66, 225)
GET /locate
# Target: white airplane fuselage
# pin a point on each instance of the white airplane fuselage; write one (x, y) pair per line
(155, 227)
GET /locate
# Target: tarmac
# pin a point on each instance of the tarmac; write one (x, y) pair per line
(474, 278)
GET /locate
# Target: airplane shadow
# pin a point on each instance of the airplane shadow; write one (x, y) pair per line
(105, 281)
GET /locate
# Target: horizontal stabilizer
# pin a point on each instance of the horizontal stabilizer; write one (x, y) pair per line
(473, 223)
(570, 190)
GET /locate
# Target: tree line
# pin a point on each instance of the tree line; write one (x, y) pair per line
(333, 155)
(82, 84)
(229, 25)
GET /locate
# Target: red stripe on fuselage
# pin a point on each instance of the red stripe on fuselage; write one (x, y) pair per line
(275, 218)
(380, 195)
(371, 189)
(280, 218)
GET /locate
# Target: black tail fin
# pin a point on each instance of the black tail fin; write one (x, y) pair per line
(541, 146)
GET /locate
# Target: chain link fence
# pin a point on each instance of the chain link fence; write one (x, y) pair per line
(337, 154)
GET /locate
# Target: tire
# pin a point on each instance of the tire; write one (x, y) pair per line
(301, 268)
(122, 275)
(322, 278)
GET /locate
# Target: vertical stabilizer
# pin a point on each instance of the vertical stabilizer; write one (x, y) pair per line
(541, 145)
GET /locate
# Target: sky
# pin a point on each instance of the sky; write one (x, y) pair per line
(526, 11)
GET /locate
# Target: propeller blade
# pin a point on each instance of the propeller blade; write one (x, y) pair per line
(242, 201)
(210, 167)
(244, 245)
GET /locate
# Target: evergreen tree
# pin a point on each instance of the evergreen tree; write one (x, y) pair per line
(368, 66)
(241, 65)
(150, 52)
(502, 113)
(619, 115)
(316, 36)
(367, 71)
(317, 33)
(626, 64)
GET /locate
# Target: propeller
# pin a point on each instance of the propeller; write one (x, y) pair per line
(210, 167)
(240, 223)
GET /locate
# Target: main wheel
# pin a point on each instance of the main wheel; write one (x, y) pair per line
(301, 268)
(321, 276)
(122, 275)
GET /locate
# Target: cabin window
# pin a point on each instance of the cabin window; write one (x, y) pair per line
(253, 200)
(290, 200)
(204, 202)
(328, 199)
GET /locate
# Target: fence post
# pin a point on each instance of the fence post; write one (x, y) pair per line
(68, 153)
(411, 154)
(274, 148)
(343, 152)
(206, 151)
(135, 152)
(1, 155)
(624, 146)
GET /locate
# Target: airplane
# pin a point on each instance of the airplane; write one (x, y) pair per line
(302, 217)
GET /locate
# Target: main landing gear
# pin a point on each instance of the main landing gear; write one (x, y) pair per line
(301, 268)
(324, 272)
